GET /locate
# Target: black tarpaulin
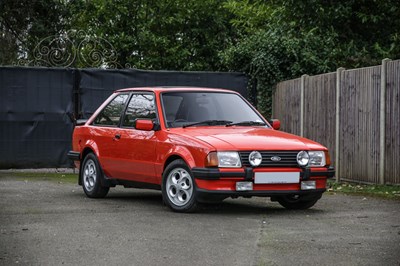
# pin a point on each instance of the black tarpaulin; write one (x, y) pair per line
(97, 84)
(36, 105)
(35, 129)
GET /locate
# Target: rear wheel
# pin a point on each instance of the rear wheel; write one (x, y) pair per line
(298, 202)
(178, 189)
(91, 175)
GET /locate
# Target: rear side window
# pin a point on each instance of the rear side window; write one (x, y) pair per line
(111, 114)
(141, 106)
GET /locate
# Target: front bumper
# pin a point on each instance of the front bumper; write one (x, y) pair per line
(248, 173)
(215, 183)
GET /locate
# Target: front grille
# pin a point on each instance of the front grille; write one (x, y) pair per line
(288, 158)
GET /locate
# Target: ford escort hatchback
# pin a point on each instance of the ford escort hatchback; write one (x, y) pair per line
(196, 145)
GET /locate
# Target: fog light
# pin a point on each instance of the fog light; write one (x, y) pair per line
(307, 185)
(244, 186)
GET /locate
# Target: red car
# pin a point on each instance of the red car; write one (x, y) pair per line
(196, 145)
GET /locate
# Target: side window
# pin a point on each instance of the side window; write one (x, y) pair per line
(111, 114)
(141, 106)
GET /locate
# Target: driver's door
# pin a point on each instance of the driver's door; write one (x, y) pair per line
(136, 148)
(104, 133)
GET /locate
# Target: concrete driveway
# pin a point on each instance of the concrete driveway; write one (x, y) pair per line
(50, 223)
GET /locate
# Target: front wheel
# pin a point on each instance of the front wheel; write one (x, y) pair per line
(298, 202)
(178, 189)
(91, 175)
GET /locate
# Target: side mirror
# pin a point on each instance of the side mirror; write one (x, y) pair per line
(144, 124)
(275, 123)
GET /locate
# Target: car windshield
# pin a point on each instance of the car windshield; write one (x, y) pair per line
(185, 109)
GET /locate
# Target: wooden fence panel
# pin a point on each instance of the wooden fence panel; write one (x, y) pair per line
(286, 105)
(359, 118)
(392, 147)
(320, 110)
(359, 123)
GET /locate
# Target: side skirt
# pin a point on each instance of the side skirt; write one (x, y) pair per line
(111, 182)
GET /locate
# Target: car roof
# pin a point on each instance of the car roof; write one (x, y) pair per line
(174, 88)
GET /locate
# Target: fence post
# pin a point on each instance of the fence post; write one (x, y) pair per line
(337, 133)
(382, 123)
(302, 86)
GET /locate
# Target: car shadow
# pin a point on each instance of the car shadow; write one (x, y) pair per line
(256, 206)
(249, 206)
(128, 196)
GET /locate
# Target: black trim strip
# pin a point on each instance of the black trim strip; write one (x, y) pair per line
(331, 172)
(213, 173)
(306, 174)
(74, 155)
(248, 174)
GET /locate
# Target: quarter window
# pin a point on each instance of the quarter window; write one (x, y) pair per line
(141, 106)
(111, 114)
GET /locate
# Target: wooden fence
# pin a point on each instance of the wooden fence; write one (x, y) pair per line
(355, 113)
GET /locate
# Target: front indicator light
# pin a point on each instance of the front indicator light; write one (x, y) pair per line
(212, 160)
(308, 185)
(327, 158)
(244, 186)
(223, 159)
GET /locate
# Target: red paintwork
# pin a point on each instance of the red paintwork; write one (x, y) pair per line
(141, 155)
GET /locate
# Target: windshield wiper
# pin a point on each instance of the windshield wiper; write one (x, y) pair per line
(247, 123)
(209, 123)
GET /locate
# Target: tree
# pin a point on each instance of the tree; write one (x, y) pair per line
(162, 34)
(269, 40)
(24, 23)
(287, 38)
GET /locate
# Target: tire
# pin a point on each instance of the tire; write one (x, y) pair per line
(298, 202)
(91, 175)
(178, 187)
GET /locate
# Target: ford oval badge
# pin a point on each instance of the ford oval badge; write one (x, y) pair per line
(275, 158)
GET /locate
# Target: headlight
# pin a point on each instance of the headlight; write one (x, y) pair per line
(255, 158)
(317, 158)
(303, 158)
(223, 159)
(311, 158)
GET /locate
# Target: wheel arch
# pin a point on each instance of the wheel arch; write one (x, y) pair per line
(187, 201)
(84, 153)
(172, 158)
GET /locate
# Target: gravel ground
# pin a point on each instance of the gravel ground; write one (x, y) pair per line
(52, 223)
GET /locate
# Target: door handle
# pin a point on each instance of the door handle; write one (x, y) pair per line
(117, 136)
